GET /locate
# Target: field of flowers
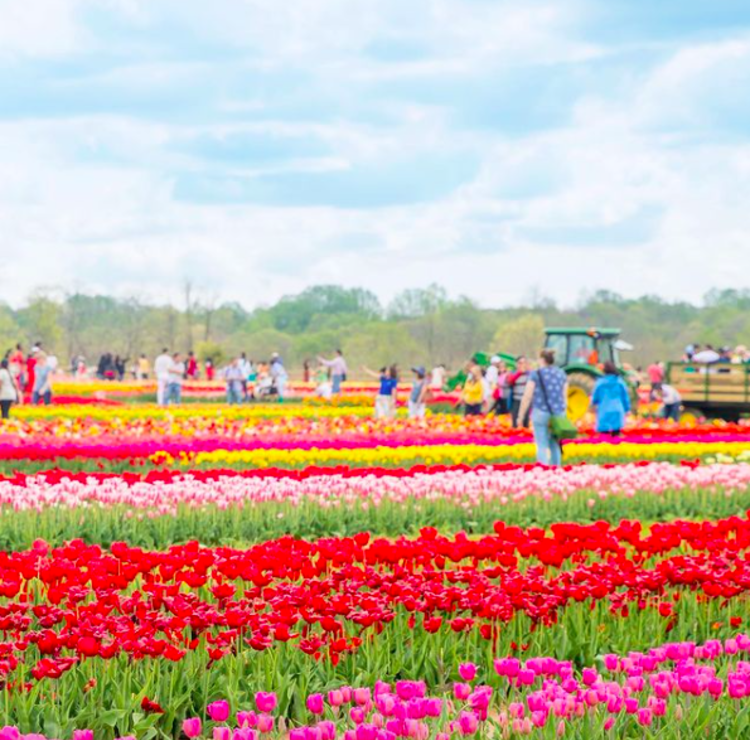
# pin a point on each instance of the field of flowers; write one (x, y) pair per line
(307, 572)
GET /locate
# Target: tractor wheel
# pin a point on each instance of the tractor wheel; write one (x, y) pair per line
(580, 388)
(691, 417)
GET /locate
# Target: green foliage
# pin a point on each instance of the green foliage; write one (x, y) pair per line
(419, 326)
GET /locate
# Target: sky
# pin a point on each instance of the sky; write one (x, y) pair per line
(501, 148)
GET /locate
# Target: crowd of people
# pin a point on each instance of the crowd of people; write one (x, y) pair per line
(28, 374)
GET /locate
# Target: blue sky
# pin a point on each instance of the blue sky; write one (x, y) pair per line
(501, 148)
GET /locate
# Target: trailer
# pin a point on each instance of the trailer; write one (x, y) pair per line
(719, 390)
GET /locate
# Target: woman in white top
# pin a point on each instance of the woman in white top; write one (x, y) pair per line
(8, 389)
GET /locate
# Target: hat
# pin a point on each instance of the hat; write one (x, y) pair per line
(419, 370)
(494, 359)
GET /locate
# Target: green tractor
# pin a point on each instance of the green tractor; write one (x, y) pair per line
(581, 354)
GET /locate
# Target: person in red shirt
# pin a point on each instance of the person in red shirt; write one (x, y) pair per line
(656, 376)
(30, 372)
(209, 369)
(192, 366)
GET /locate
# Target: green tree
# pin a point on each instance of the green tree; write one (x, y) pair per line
(520, 336)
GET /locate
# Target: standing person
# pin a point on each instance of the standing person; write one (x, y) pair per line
(547, 393)
(419, 392)
(233, 377)
(656, 377)
(119, 364)
(192, 366)
(161, 369)
(437, 378)
(517, 383)
(209, 368)
(143, 368)
(42, 381)
(17, 365)
(31, 370)
(306, 371)
(472, 394)
(245, 367)
(323, 387)
(279, 375)
(671, 400)
(338, 370)
(9, 393)
(176, 376)
(385, 401)
(500, 394)
(611, 401)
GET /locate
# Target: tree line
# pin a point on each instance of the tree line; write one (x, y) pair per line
(420, 326)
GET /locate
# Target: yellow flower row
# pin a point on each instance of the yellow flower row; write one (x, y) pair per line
(450, 454)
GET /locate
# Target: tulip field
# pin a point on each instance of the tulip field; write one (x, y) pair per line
(306, 572)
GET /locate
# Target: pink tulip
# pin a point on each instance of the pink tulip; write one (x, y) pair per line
(265, 723)
(467, 671)
(218, 711)
(247, 719)
(461, 691)
(222, 732)
(192, 727)
(265, 701)
(468, 723)
(315, 703)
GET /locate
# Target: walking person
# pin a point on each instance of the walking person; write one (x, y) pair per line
(9, 392)
(143, 368)
(385, 401)
(611, 400)
(17, 365)
(42, 381)
(192, 366)
(656, 377)
(546, 393)
(472, 394)
(339, 370)
(419, 391)
(233, 378)
(671, 402)
(161, 369)
(517, 383)
(278, 375)
(176, 376)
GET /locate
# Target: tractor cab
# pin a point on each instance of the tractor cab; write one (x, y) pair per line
(586, 347)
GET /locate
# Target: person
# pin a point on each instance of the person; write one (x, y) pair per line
(517, 385)
(741, 355)
(279, 375)
(174, 383)
(16, 366)
(306, 371)
(546, 393)
(500, 393)
(42, 380)
(472, 394)
(245, 367)
(671, 402)
(209, 368)
(31, 370)
(9, 393)
(419, 392)
(611, 401)
(161, 369)
(192, 366)
(52, 362)
(437, 378)
(323, 387)
(707, 356)
(385, 401)
(143, 367)
(119, 364)
(233, 377)
(339, 370)
(656, 377)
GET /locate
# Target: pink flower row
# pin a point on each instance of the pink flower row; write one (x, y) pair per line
(469, 489)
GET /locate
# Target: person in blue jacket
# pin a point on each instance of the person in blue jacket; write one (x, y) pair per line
(611, 400)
